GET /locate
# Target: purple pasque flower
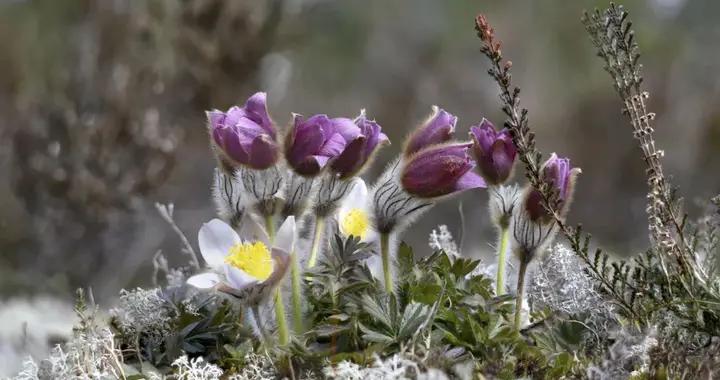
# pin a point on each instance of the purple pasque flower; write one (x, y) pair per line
(440, 170)
(437, 129)
(245, 135)
(313, 142)
(559, 174)
(363, 138)
(494, 151)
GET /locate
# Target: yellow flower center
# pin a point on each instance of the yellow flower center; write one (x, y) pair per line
(355, 222)
(251, 258)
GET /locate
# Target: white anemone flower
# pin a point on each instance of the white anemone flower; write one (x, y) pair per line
(245, 265)
(354, 217)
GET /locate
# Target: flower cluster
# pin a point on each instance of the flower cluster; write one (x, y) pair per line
(322, 158)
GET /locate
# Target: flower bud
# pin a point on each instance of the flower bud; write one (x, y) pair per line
(437, 129)
(245, 135)
(313, 142)
(439, 171)
(494, 151)
(360, 146)
(558, 173)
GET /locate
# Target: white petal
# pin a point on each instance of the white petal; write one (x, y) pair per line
(357, 198)
(215, 239)
(239, 279)
(251, 230)
(374, 263)
(285, 238)
(371, 236)
(204, 280)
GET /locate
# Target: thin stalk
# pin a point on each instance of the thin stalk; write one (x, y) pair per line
(283, 334)
(280, 316)
(317, 238)
(296, 289)
(385, 252)
(255, 317)
(520, 292)
(502, 259)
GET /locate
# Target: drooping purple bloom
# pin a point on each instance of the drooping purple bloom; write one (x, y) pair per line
(441, 170)
(314, 141)
(245, 135)
(561, 176)
(363, 140)
(437, 129)
(495, 152)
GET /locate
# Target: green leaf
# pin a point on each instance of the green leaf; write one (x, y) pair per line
(372, 306)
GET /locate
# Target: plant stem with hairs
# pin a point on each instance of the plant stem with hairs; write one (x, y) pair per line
(317, 238)
(520, 293)
(296, 292)
(385, 254)
(280, 315)
(502, 259)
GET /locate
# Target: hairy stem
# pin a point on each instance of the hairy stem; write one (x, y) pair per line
(520, 293)
(296, 289)
(283, 334)
(280, 316)
(255, 317)
(317, 238)
(385, 252)
(502, 258)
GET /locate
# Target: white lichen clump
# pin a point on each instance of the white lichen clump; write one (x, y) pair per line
(143, 311)
(628, 357)
(195, 369)
(560, 283)
(442, 240)
(91, 354)
(257, 367)
(394, 367)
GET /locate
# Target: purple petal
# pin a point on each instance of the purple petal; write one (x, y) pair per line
(439, 128)
(256, 109)
(435, 172)
(351, 159)
(233, 115)
(216, 118)
(346, 127)
(307, 140)
(233, 146)
(333, 146)
(263, 152)
(470, 180)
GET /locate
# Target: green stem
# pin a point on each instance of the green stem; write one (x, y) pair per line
(520, 292)
(296, 289)
(385, 252)
(270, 228)
(502, 258)
(319, 229)
(280, 316)
(283, 334)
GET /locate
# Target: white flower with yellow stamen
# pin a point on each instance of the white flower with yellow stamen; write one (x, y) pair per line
(353, 216)
(245, 265)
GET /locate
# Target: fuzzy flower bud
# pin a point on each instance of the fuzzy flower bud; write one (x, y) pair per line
(561, 176)
(437, 129)
(245, 135)
(495, 152)
(439, 171)
(363, 138)
(313, 142)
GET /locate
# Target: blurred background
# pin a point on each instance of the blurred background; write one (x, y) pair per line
(102, 115)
